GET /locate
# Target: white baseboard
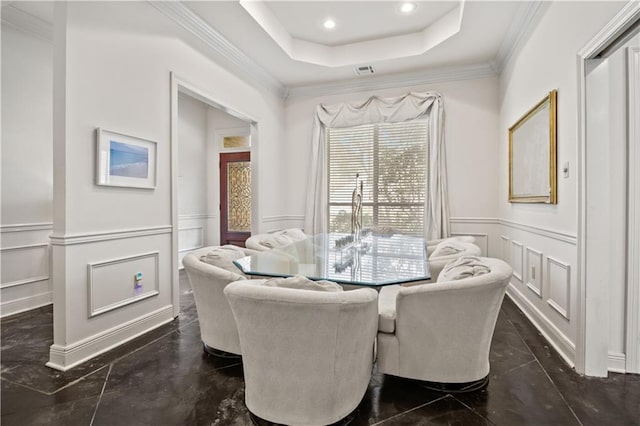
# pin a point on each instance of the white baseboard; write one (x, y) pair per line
(617, 362)
(64, 358)
(561, 343)
(25, 304)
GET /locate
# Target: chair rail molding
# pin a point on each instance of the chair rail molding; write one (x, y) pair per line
(120, 234)
(592, 363)
(26, 227)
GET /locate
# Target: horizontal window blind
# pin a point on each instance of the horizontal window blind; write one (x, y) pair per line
(391, 159)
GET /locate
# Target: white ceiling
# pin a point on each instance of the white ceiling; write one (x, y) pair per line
(487, 29)
(356, 20)
(484, 27)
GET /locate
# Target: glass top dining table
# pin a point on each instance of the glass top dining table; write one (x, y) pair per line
(374, 261)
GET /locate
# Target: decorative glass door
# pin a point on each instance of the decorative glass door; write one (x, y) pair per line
(235, 198)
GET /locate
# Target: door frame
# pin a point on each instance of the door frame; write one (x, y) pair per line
(633, 218)
(592, 342)
(181, 85)
(224, 218)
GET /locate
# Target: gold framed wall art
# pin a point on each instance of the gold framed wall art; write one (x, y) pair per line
(532, 154)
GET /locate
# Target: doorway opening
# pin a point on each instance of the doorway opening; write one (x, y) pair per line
(204, 132)
(609, 200)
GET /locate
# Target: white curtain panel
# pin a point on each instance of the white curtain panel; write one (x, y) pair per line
(381, 110)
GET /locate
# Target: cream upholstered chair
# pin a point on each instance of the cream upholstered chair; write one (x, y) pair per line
(449, 250)
(263, 242)
(432, 244)
(307, 355)
(209, 270)
(441, 332)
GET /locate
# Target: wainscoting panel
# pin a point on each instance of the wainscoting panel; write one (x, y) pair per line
(190, 238)
(559, 279)
(24, 264)
(113, 284)
(516, 259)
(102, 307)
(196, 231)
(542, 285)
(25, 259)
(533, 271)
(505, 249)
(482, 240)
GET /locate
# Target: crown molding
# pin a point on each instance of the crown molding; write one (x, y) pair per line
(355, 53)
(27, 23)
(413, 78)
(526, 17)
(197, 26)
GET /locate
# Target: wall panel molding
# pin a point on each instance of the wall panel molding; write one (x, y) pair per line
(93, 237)
(196, 216)
(482, 240)
(63, 358)
(505, 248)
(517, 259)
(540, 230)
(545, 232)
(479, 220)
(24, 304)
(24, 247)
(533, 271)
(559, 288)
(92, 268)
(565, 347)
(31, 280)
(271, 219)
(199, 240)
(26, 227)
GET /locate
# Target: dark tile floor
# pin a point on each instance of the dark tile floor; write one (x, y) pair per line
(164, 378)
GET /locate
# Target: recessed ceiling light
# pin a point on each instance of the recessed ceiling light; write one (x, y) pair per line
(329, 24)
(408, 7)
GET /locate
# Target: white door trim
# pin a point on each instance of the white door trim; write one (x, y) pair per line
(633, 248)
(180, 85)
(627, 16)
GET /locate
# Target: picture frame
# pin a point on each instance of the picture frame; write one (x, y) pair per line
(125, 161)
(532, 154)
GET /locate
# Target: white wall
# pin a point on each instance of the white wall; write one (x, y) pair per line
(27, 175)
(193, 164)
(471, 123)
(116, 75)
(546, 234)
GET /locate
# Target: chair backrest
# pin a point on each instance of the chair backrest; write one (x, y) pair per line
(445, 329)
(437, 263)
(466, 239)
(307, 355)
(263, 242)
(217, 325)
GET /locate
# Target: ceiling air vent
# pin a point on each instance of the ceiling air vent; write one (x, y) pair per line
(365, 70)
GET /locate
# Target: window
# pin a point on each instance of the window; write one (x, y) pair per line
(391, 159)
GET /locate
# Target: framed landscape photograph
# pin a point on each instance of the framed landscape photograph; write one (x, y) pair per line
(125, 161)
(532, 154)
